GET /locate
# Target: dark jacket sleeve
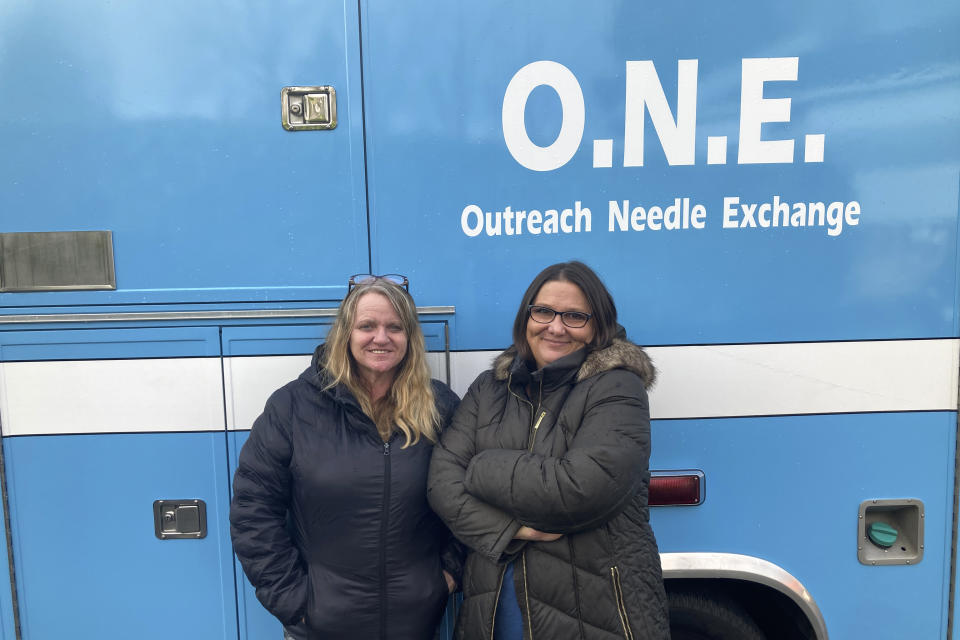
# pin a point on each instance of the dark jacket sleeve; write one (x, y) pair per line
(258, 516)
(482, 527)
(602, 469)
(452, 553)
(452, 558)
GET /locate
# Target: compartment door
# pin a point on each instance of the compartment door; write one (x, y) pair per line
(98, 424)
(257, 361)
(162, 122)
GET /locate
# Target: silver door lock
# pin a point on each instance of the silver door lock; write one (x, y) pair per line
(308, 108)
(180, 519)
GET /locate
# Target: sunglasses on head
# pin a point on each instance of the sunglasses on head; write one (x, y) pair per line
(367, 278)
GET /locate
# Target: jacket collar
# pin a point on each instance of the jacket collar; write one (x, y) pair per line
(316, 377)
(556, 373)
(620, 354)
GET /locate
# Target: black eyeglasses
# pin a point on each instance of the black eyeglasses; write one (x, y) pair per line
(367, 278)
(545, 315)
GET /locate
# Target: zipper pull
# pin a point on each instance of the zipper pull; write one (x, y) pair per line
(533, 433)
(539, 420)
(386, 448)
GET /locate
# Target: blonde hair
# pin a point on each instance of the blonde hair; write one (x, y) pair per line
(409, 404)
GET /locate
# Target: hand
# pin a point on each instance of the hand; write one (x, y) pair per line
(451, 583)
(527, 533)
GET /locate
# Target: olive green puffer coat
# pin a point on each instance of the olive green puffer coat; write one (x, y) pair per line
(562, 450)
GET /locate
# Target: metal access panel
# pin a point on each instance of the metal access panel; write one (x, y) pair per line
(162, 124)
(98, 425)
(258, 359)
(56, 261)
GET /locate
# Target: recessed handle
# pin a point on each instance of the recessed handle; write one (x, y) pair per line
(179, 519)
(305, 108)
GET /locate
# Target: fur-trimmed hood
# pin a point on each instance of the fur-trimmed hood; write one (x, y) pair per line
(621, 354)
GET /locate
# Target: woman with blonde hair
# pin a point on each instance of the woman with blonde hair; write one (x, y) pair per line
(329, 516)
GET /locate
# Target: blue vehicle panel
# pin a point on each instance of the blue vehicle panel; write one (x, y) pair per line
(7, 615)
(771, 193)
(786, 489)
(86, 344)
(877, 82)
(161, 123)
(89, 564)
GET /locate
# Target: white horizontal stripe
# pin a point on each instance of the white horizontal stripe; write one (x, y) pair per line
(185, 394)
(92, 396)
(466, 366)
(784, 379)
(729, 380)
(251, 380)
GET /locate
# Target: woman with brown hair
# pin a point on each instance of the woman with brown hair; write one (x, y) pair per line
(544, 475)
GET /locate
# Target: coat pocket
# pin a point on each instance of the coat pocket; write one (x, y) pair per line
(621, 604)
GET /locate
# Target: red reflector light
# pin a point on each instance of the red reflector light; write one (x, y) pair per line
(676, 489)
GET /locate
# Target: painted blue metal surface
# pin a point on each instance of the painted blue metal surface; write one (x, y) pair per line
(880, 82)
(254, 621)
(99, 344)
(88, 563)
(273, 340)
(300, 339)
(81, 507)
(161, 122)
(7, 626)
(788, 489)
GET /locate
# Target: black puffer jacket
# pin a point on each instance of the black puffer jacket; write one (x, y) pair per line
(570, 457)
(331, 523)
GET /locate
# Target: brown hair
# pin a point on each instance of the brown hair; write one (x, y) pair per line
(602, 308)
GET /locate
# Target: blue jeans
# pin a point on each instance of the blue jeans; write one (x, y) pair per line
(508, 623)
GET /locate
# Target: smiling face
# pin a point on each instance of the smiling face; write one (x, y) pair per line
(378, 341)
(551, 341)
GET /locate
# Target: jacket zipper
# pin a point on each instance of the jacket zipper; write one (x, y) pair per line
(384, 528)
(621, 605)
(523, 554)
(526, 594)
(534, 425)
(496, 601)
(576, 585)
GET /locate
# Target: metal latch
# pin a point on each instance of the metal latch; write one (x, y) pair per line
(180, 519)
(309, 108)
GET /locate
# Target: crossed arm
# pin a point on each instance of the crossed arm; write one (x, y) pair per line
(490, 497)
